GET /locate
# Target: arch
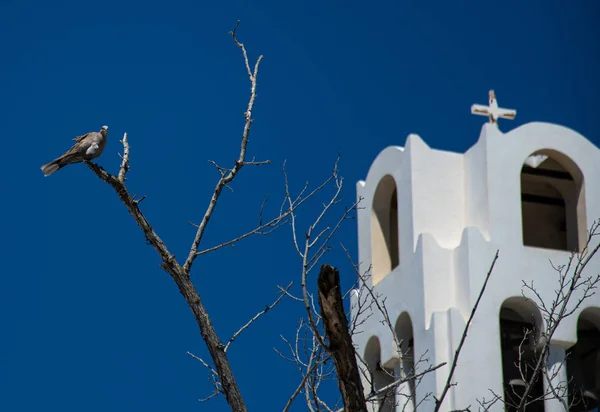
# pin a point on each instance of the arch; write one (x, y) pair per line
(406, 367)
(583, 363)
(520, 330)
(552, 202)
(385, 253)
(372, 352)
(380, 376)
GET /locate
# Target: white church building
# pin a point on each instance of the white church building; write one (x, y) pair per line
(429, 227)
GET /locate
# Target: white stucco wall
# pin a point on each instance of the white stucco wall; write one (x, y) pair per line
(454, 212)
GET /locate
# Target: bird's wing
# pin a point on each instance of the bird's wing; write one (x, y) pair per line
(80, 138)
(82, 143)
(77, 147)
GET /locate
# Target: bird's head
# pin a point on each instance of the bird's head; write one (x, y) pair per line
(104, 130)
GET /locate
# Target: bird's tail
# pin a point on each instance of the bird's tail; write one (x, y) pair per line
(57, 164)
(51, 167)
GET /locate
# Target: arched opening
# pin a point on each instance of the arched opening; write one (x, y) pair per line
(385, 254)
(520, 326)
(583, 363)
(406, 392)
(381, 377)
(552, 202)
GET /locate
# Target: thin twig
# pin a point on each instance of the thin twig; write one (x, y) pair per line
(258, 315)
(403, 380)
(241, 46)
(299, 388)
(203, 363)
(212, 395)
(218, 389)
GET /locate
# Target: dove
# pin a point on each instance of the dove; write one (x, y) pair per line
(88, 146)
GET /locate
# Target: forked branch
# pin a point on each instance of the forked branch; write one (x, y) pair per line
(239, 163)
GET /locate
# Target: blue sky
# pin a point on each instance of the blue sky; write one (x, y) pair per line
(88, 320)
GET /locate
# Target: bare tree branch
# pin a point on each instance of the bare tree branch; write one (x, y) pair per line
(124, 159)
(214, 372)
(398, 382)
(258, 315)
(239, 163)
(132, 206)
(241, 46)
(212, 395)
(186, 287)
(299, 388)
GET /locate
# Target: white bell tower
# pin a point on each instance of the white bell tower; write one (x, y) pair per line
(430, 225)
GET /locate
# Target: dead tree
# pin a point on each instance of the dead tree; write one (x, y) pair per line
(181, 271)
(222, 376)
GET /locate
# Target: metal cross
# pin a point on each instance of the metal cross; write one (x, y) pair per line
(493, 112)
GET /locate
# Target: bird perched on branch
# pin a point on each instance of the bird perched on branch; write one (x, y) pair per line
(87, 147)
